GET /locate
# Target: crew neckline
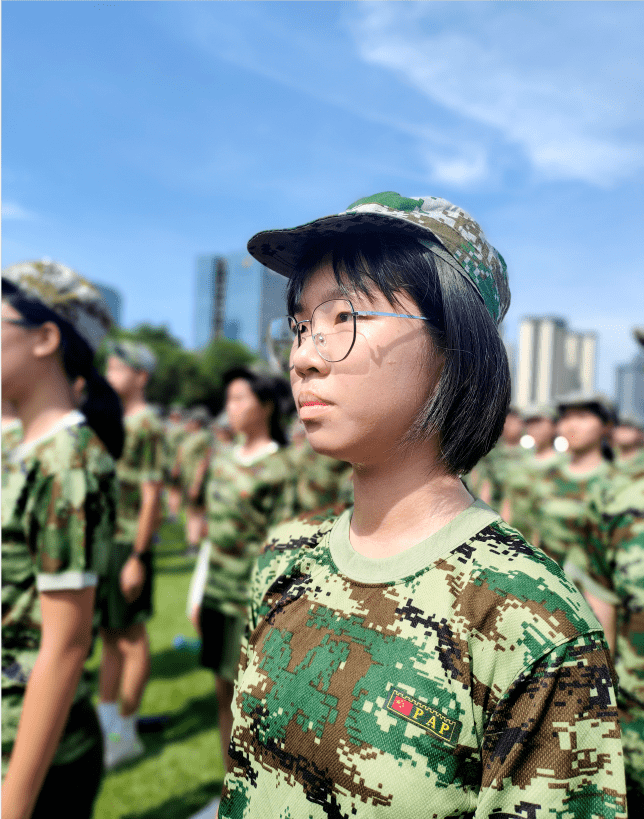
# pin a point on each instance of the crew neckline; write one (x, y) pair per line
(73, 418)
(269, 449)
(413, 560)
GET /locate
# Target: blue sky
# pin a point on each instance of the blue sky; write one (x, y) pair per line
(137, 135)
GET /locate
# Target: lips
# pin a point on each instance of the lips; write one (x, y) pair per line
(308, 399)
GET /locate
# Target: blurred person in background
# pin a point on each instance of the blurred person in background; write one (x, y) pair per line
(175, 432)
(246, 493)
(414, 656)
(194, 454)
(518, 504)
(58, 506)
(585, 420)
(125, 598)
(628, 440)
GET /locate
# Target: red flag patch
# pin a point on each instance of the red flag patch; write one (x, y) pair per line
(424, 716)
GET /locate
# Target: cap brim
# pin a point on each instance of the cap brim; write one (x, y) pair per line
(282, 250)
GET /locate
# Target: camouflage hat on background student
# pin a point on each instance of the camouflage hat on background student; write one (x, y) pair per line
(538, 411)
(588, 398)
(200, 414)
(134, 354)
(69, 296)
(638, 333)
(445, 229)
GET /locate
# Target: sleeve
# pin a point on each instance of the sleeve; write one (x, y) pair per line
(151, 453)
(58, 532)
(552, 747)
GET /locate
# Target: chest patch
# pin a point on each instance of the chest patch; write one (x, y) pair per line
(424, 716)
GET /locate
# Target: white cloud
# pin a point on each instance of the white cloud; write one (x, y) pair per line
(11, 210)
(563, 84)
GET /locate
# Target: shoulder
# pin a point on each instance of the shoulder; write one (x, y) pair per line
(144, 422)
(70, 449)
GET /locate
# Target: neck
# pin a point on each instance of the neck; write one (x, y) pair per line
(133, 403)
(628, 452)
(585, 460)
(255, 439)
(401, 502)
(44, 406)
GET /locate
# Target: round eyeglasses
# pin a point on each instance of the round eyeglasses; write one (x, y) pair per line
(332, 327)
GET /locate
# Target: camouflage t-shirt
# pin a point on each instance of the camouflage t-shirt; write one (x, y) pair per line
(194, 448)
(243, 500)
(518, 492)
(321, 482)
(631, 466)
(462, 677)
(58, 510)
(141, 461)
(493, 469)
(560, 502)
(615, 574)
(11, 437)
(174, 435)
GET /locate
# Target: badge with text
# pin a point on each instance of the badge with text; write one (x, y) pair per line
(424, 716)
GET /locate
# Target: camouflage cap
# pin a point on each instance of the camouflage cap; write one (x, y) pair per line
(538, 411)
(68, 295)
(445, 229)
(586, 397)
(630, 419)
(134, 354)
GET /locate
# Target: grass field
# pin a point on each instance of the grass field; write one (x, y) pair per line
(181, 770)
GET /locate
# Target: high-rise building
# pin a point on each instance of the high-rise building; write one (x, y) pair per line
(553, 360)
(237, 297)
(630, 387)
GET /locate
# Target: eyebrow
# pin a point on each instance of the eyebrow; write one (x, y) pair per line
(333, 293)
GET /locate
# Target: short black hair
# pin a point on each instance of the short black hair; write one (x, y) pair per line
(266, 388)
(468, 408)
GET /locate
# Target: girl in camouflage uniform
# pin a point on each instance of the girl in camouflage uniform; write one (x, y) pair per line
(58, 507)
(414, 656)
(245, 494)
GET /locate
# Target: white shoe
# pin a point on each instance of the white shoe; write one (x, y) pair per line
(119, 749)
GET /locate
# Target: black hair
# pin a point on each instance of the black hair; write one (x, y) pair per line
(266, 388)
(467, 409)
(101, 405)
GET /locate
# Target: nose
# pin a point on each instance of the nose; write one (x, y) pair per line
(306, 357)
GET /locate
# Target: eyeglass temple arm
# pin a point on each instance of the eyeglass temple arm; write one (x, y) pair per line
(395, 315)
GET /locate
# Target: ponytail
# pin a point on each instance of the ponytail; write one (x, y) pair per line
(102, 408)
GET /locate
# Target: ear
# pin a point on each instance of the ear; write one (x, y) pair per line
(142, 378)
(47, 340)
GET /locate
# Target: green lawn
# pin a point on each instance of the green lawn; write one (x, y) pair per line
(181, 770)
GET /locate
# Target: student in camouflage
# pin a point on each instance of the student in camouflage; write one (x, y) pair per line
(125, 595)
(11, 430)
(247, 489)
(628, 440)
(320, 482)
(613, 581)
(175, 432)
(518, 506)
(58, 507)
(194, 456)
(560, 498)
(414, 656)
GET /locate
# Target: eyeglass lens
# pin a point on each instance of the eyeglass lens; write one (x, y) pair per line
(332, 326)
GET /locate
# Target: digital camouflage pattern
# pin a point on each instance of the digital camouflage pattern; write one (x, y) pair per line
(462, 677)
(242, 503)
(446, 229)
(58, 510)
(141, 462)
(518, 490)
(11, 437)
(615, 566)
(194, 447)
(320, 482)
(560, 503)
(69, 295)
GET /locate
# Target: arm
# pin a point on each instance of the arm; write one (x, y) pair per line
(133, 573)
(606, 613)
(552, 744)
(66, 639)
(200, 474)
(198, 585)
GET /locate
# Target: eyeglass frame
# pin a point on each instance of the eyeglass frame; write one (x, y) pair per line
(352, 313)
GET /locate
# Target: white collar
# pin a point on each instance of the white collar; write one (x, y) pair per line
(73, 418)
